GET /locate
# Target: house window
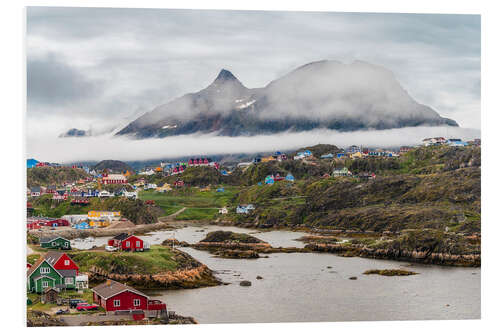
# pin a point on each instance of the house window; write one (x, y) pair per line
(127, 244)
(66, 262)
(45, 284)
(138, 244)
(66, 244)
(137, 302)
(44, 270)
(53, 243)
(116, 302)
(68, 280)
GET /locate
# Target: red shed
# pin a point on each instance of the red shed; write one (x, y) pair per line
(127, 242)
(115, 296)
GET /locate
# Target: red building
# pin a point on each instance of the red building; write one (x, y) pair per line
(115, 296)
(61, 261)
(126, 242)
(55, 223)
(114, 179)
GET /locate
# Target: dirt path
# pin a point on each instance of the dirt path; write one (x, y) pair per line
(172, 216)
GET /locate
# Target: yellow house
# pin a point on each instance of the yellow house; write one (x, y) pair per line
(127, 174)
(98, 214)
(164, 188)
(267, 159)
(139, 183)
(357, 155)
(98, 223)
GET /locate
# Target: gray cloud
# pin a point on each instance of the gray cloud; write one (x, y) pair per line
(52, 82)
(106, 147)
(147, 57)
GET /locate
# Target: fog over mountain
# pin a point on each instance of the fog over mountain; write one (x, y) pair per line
(322, 94)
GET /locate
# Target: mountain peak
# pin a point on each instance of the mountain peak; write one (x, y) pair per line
(225, 75)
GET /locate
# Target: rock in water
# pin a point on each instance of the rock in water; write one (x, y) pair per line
(259, 277)
(245, 283)
(353, 278)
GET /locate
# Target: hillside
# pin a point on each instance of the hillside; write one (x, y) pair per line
(45, 176)
(427, 188)
(112, 165)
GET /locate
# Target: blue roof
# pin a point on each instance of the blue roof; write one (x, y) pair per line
(31, 163)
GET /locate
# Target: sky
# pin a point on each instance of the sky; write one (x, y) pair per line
(99, 69)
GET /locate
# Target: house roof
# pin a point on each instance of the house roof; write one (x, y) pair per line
(53, 256)
(111, 288)
(35, 189)
(121, 236)
(49, 239)
(67, 272)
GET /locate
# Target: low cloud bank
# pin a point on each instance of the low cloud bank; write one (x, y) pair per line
(64, 150)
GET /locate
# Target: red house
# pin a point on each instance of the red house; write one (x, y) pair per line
(126, 242)
(115, 296)
(61, 261)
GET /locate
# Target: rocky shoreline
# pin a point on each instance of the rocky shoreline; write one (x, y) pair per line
(197, 277)
(444, 259)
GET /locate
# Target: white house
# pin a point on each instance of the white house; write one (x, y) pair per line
(223, 210)
(105, 194)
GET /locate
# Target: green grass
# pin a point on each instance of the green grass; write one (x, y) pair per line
(86, 296)
(200, 204)
(157, 259)
(32, 258)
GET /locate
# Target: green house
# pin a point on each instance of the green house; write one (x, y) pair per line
(55, 243)
(54, 270)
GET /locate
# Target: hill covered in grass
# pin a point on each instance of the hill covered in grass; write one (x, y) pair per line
(113, 165)
(45, 176)
(431, 187)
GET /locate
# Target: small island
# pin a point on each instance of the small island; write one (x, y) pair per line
(389, 272)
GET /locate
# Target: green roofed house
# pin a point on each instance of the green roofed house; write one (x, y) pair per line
(55, 243)
(54, 270)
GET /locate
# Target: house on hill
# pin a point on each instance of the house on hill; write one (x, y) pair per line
(244, 209)
(326, 156)
(290, 177)
(53, 270)
(35, 191)
(341, 172)
(55, 243)
(164, 188)
(31, 163)
(113, 179)
(115, 296)
(126, 242)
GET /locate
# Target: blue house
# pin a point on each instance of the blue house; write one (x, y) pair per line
(269, 180)
(220, 189)
(224, 173)
(339, 155)
(290, 177)
(31, 163)
(82, 225)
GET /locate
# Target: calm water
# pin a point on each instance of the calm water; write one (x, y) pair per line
(196, 234)
(300, 287)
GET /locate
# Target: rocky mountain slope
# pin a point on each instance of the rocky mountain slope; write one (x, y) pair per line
(323, 94)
